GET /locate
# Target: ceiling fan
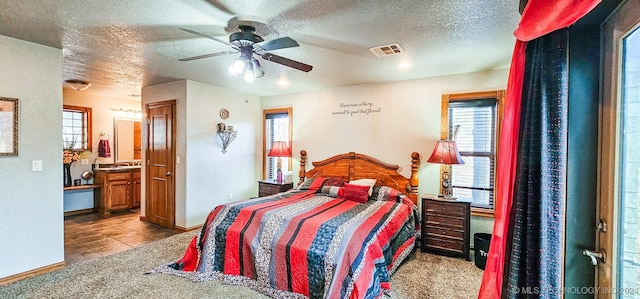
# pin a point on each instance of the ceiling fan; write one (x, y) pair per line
(246, 42)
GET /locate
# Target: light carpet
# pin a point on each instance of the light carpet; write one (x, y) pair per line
(121, 275)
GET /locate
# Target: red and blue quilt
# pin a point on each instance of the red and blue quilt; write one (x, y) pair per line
(304, 244)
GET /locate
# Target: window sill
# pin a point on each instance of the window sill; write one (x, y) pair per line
(480, 212)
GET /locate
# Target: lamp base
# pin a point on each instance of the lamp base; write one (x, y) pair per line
(279, 176)
(447, 190)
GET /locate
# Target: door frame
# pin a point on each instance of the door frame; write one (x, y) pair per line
(621, 22)
(147, 172)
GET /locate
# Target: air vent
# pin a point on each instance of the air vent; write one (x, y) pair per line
(386, 50)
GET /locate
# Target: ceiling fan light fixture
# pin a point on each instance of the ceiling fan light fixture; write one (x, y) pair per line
(257, 70)
(248, 77)
(232, 70)
(248, 43)
(77, 85)
(248, 73)
(238, 66)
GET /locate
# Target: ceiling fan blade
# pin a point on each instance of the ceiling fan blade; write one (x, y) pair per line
(278, 43)
(207, 55)
(206, 36)
(288, 62)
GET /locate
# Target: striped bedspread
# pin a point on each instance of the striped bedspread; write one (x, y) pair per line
(305, 244)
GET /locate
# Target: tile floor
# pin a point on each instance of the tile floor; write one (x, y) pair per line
(87, 236)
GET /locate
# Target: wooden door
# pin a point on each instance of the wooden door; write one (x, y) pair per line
(160, 182)
(618, 238)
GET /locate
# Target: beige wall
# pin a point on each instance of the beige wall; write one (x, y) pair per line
(404, 117)
(31, 230)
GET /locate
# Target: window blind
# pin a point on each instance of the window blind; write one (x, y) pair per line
(476, 142)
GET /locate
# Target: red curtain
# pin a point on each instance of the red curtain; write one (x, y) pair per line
(508, 153)
(539, 18)
(544, 16)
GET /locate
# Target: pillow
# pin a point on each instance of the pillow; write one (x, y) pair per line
(356, 193)
(333, 182)
(331, 187)
(312, 183)
(333, 191)
(365, 182)
(384, 193)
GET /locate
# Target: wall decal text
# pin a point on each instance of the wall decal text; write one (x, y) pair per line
(360, 108)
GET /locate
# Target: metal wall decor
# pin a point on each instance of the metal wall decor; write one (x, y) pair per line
(226, 134)
(224, 113)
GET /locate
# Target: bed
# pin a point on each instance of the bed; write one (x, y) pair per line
(335, 235)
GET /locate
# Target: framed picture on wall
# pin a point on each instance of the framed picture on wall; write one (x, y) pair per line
(8, 127)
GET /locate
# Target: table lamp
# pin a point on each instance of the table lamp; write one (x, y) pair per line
(279, 149)
(446, 152)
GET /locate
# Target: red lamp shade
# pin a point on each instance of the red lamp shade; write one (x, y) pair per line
(279, 149)
(446, 152)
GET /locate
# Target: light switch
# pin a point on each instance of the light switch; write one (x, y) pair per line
(36, 165)
(177, 159)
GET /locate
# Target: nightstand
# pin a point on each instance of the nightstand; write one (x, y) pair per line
(266, 188)
(445, 226)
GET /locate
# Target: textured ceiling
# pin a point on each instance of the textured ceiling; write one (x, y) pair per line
(122, 46)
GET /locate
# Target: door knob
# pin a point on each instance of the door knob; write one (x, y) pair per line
(168, 173)
(596, 256)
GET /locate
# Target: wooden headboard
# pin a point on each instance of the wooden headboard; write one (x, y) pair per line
(353, 166)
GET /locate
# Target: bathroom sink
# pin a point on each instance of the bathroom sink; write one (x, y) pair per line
(128, 167)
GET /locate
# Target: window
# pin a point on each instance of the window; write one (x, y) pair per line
(277, 127)
(76, 128)
(478, 116)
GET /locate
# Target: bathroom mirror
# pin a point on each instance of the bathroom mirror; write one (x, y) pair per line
(127, 138)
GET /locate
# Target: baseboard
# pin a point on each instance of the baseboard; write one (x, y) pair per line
(78, 212)
(34, 272)
(179, 228)
(185, 229)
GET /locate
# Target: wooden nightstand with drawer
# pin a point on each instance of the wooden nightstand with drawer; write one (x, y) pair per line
(445, 226)
(266, 188)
